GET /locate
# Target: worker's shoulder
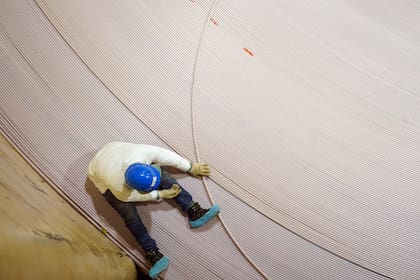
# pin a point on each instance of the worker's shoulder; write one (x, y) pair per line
(112, 144)
(118, 145)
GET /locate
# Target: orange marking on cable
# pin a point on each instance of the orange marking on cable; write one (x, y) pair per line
(249, 52)
(214, 21)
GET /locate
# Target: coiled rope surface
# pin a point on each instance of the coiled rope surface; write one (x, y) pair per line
(196, 150)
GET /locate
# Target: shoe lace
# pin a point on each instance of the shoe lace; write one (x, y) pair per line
(153, 256)
(196, 212)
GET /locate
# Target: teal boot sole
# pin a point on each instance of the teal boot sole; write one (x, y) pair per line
(160, 266)
(213, 211)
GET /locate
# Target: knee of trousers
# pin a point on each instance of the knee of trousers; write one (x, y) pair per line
(167, 180)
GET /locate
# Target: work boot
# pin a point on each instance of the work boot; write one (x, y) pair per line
(159, 262)
(199, 216)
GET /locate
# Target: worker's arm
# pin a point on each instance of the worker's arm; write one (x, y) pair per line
(166, 157)
(155, 195)
(133, 195)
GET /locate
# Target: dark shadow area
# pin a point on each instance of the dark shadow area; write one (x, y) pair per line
(141, 275)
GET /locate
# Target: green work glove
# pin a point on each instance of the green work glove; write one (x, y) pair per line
(199, 169)
(170, 193)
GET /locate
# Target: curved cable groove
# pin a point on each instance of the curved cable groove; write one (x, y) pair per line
(194, 138)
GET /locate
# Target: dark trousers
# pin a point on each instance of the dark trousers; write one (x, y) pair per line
(128, 211)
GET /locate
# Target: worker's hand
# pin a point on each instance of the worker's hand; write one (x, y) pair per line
(170, 193)
(199, 169)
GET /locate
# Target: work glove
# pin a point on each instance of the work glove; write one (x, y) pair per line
(170, 193)
(199, 169)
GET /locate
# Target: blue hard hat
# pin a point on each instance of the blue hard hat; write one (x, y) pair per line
(142, 177)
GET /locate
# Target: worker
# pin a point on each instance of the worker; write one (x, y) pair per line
(127, 173)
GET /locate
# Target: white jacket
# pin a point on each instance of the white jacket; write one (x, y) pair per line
(107, 168)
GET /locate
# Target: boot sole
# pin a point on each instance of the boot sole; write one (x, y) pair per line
(213, 211)
(159, 266)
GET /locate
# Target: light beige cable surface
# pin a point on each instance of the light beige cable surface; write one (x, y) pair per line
(210, 18)
(305, 127)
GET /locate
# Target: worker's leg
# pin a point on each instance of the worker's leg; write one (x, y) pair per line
(184, 198)
(128, 212)
(197, 215)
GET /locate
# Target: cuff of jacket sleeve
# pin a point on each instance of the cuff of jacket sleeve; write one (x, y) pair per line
(155, 195)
